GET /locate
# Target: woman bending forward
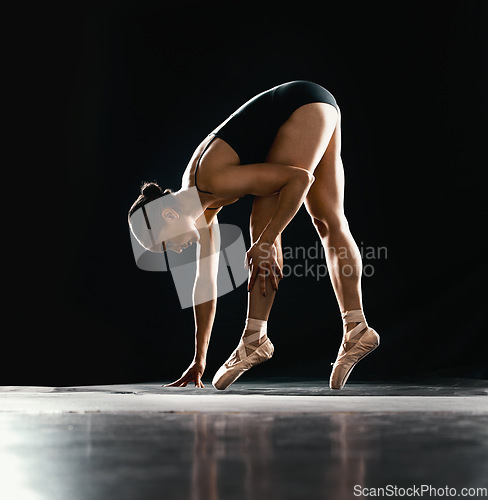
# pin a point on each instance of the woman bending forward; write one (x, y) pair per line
(284, 147)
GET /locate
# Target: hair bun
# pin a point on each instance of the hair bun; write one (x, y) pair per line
(151, 190)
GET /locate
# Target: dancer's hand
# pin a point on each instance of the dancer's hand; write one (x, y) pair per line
(193, 373)
(262, 260)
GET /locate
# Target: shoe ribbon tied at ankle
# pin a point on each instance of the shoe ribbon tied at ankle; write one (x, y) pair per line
(355, 316)
(260, 330)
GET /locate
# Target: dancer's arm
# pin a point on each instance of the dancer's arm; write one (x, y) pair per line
(204, 299)
(264, 179)
(205, 289)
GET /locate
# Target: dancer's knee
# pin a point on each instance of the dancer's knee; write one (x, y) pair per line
(330, 224)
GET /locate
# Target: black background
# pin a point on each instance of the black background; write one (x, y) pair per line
(105, 95)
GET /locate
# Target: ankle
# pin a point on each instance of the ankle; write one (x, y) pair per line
(350, 326)
(257, 329)
(255, 343)
(352, 318)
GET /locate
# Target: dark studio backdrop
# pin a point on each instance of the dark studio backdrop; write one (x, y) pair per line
(115, 93)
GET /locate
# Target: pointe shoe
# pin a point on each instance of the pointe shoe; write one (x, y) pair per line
(232, 369)
(347, 360)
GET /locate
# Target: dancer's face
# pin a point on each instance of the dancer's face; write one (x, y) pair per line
(187, 235)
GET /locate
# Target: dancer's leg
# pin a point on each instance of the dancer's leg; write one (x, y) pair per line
(263, 209)
(259, 305)
(325, 204)
(254, 346)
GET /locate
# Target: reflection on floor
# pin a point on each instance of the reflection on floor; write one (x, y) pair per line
(284, 440)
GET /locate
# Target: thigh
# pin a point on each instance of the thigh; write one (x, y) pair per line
(325, 199)
(302, 140)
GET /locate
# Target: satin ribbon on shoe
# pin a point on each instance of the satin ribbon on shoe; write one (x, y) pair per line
(232, 369)
(246, 341)
(347, 360)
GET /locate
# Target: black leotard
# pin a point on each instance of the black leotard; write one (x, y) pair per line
(251, 129)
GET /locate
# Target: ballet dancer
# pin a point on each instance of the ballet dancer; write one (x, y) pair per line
(284, 147)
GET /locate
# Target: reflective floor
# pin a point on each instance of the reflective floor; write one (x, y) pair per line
(133, 441)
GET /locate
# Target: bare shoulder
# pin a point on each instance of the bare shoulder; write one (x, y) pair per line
(210, 154)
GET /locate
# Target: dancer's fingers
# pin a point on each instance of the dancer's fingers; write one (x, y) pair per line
(272, 276)
(252, 279)
(262, 276)
(248, 260)
(176, 383)
(278, 268)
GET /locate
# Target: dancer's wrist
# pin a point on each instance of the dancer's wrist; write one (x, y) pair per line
(200, 359)
(267, 238)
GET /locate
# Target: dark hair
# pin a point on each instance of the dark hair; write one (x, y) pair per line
(149, 191)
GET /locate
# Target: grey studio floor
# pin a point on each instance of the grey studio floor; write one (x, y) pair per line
(269, 439)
